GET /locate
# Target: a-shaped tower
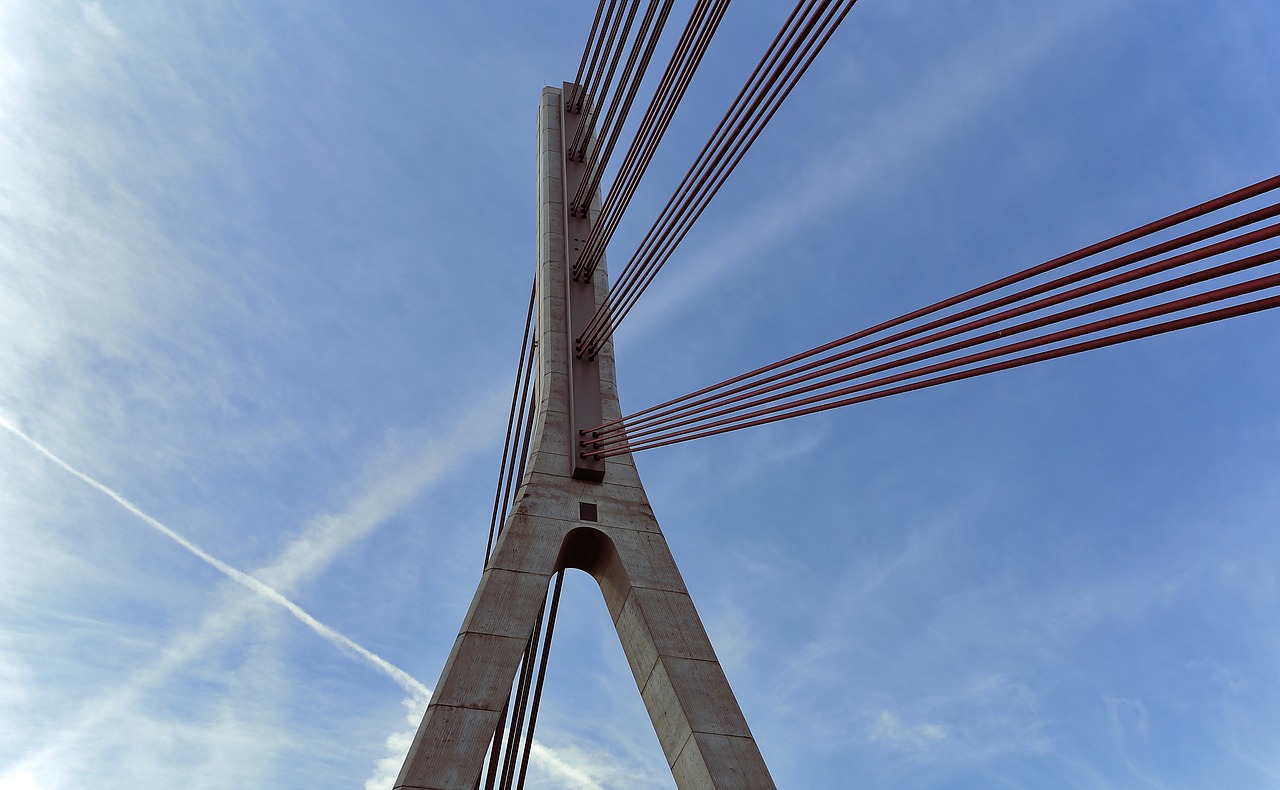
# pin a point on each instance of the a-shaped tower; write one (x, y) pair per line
(573, 511)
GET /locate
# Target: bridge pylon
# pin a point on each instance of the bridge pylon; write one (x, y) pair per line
(575, 512)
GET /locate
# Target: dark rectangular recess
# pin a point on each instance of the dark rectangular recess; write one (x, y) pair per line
(587, 511)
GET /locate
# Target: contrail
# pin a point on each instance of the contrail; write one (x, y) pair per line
(402, 678)
(548, 759)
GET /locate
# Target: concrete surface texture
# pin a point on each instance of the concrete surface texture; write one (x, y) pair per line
(698, 722)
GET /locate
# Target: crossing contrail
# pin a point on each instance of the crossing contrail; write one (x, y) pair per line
(331, 635)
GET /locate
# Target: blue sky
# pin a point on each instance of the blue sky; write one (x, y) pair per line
(263, 267)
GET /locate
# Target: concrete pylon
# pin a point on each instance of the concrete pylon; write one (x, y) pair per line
(605, 528)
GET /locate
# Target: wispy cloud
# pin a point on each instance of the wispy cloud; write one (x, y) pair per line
(570, 769)
(98, 19)
(388, 768)
(888, 729)
(329, 634)
(58, 755)
(19, 779)
(316, 548)
(562, 769)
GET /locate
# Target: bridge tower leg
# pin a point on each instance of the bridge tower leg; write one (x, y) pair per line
(569, 515)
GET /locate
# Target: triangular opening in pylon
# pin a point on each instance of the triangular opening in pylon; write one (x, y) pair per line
(593, 720)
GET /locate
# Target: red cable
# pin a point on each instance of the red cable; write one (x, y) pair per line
(627, 278)
(1194, 278)
(1154, 226)
(620, 106)
(526, 347)
(675, 80)
(791, 76)
(776, 414)
(582, 138)
(591, 37)
(709, 179)
(582, 86)
(792, 377)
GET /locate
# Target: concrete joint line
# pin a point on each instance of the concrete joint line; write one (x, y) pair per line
(680, 751)
(468, 707)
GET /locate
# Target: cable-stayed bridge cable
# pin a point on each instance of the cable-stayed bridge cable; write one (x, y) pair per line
(513, 418)
(542, 676)
(572, 99)
(756, 398)
(1164, 223)
(646, 41)
(512, 745)
(590, 105)
(830, 401)
(599, 53)
(1144, 332)
(802, 37)
(849, 358)
(794, 387)
(636, 270)
(703, 22)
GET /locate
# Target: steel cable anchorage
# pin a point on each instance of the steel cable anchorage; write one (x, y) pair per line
(803, 35)
(803, 383)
